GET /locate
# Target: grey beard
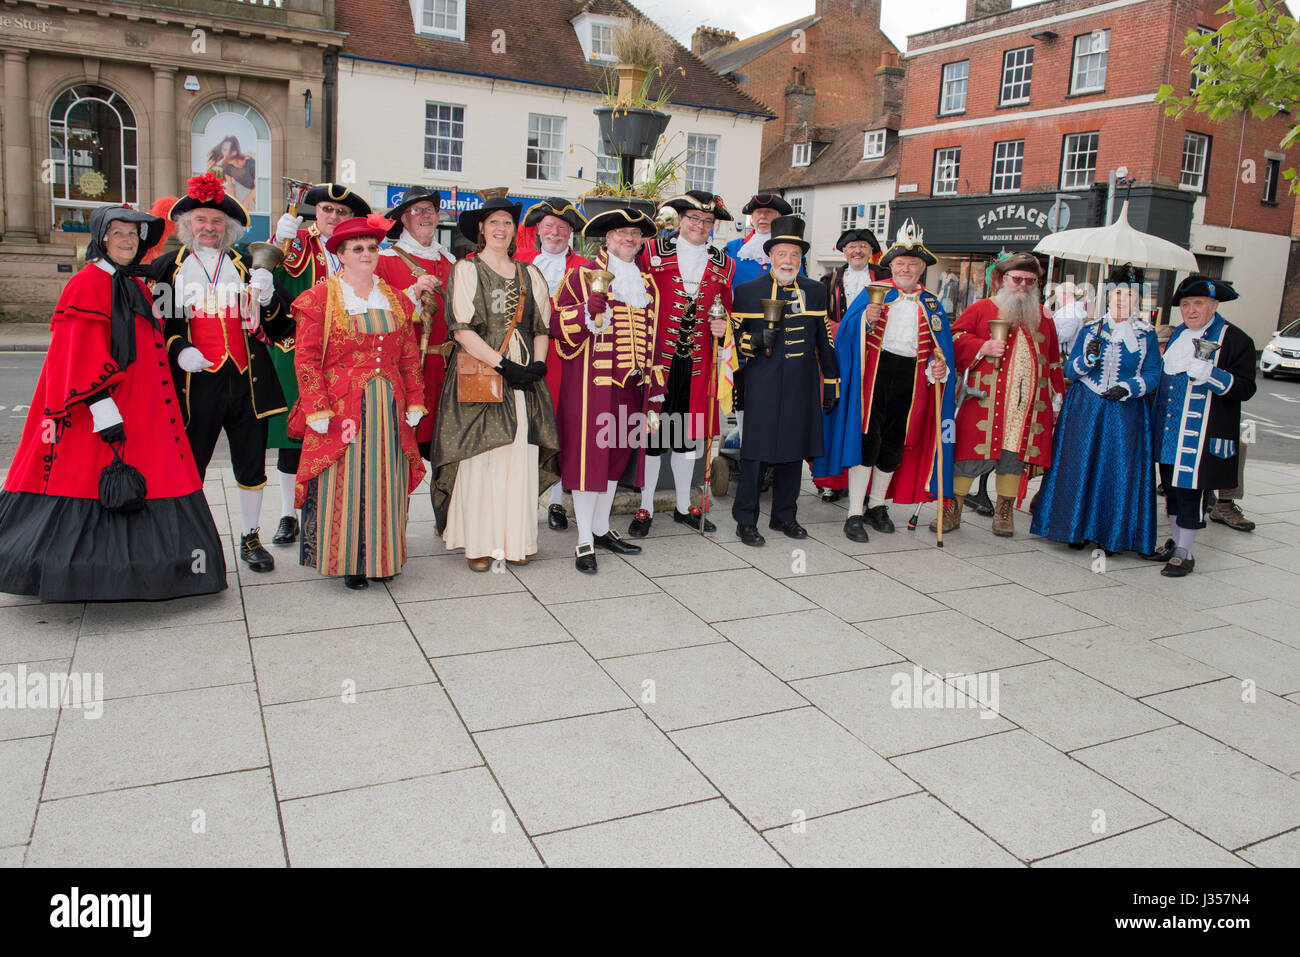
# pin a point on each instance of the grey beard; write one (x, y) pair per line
(1018, 308)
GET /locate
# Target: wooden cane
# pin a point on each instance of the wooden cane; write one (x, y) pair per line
(938, 455)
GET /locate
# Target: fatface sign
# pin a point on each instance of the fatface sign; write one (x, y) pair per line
(992, 223)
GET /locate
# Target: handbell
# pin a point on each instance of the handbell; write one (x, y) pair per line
(998, 331)
(265, 255)
(772, 311)
(1205, 349)
(876, 293)
(600, 281)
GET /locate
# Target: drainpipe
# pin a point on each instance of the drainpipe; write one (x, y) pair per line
(330, 89)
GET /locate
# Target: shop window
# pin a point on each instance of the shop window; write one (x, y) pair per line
(93, 154)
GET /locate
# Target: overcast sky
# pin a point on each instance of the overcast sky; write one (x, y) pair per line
(747, 17)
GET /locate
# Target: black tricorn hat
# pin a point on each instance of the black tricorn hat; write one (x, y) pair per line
(602, 223)
(560, 208)
(787, 229)
(1218, 289)
(208, 192)
(334, 193)
(1125, 275)
(413, 195)
(471, 219)
(857, 235)
(701, 200)
(768, 201)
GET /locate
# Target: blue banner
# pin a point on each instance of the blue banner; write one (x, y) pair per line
(465, 200)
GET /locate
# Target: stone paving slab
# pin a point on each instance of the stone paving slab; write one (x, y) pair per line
(1162, 844)
(1262, 725)
(803, 644)
(1130, 664)
(325, 664)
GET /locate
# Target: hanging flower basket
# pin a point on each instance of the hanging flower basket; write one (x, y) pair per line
(630, 131)
(595, 205)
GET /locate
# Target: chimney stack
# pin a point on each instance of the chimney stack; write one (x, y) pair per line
(705, 39)
(986, 8)
(889, 85)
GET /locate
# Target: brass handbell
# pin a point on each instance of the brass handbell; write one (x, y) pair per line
(600, 281)
(265, 255)
(1205, 349)
(876, 293)
(772, 311)
(998, 331)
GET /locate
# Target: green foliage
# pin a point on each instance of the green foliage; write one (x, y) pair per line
(1250, 64)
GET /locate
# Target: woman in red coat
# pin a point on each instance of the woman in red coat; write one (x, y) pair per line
(361, 394)
(106, 392)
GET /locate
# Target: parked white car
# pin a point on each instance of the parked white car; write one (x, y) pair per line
(1282, 353)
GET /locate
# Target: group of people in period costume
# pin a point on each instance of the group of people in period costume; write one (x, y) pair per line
(513, 371)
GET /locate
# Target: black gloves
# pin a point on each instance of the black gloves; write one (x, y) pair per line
(516, 376)
(768, 340)
(114, 433)
(1092, 350)
(1115, 393)
(830, 395)
(537, 370)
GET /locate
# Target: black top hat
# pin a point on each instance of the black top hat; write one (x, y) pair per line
(151, 230)
(857, 235)
(602, 223)
(701, 200)
(1218, 289)
(787, 229)
(768, 201)
(413, 195)
(472, 219)
(334, 193)
(208, 192)
(1125, 275)
(558, 207)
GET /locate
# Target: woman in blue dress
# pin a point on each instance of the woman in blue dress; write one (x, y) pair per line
(1101, 487)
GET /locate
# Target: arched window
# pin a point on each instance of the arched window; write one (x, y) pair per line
(231, 139)
(93, 154)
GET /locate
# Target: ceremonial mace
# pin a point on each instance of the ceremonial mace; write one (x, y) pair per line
(772, 310)
(716, 311)
(938, 452)
(998, 330)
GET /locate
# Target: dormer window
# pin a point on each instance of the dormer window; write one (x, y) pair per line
(596, 36)
(440, 18)
(802, 154)
(873, 144)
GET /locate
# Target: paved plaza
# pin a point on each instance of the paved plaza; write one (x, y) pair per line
(704, 703)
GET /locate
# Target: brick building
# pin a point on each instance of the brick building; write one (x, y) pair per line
(1015, 122)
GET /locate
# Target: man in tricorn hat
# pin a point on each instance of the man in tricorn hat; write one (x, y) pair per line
(1198, 413)
(420, 265)
(306, 263)
(554, 221)
(1016, 385)
(690, 276)
(219, 363)
(890, 357)
(788, 367)
(612, 381)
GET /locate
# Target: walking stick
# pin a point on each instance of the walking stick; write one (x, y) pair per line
(916, 516)
(938, 454)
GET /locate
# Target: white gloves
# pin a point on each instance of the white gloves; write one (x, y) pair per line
(105, 414)
(191, 360)
(320, 426)
(413, 418)
(260, 279)
(1198, 370)
(287, 227)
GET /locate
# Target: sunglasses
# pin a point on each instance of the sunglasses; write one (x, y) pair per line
(1022, 280)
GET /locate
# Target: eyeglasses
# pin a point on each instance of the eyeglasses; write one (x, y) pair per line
(332, 210)
(702, 220)
(1022, 280)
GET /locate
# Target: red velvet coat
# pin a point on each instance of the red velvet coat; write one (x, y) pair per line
(659, 259)
(58, 453)
(980, 421)
(392, 270)
(554, 367)
(332, 377)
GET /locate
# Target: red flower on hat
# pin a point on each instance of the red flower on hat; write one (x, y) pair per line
(207, 188)
(717, 202)
(377, 221)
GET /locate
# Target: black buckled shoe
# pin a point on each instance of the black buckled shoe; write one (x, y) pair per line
(382, 578)
(693, 518)
(254, 555)
(556, 520)
(612, 541)
(640, 526)
(585, 558)
(791, 529)
(1163, 553)
(879, 519)
(981, 502)
(749, 535)
(855, 530)
(833, 494)
(356, 582)
(287, 531)
(1178, 567)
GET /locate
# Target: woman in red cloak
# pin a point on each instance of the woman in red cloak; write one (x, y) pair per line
(106, 392)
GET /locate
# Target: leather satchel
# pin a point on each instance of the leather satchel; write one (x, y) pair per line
(476, 381)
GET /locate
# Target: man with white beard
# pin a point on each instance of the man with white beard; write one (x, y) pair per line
(223, 371)
(554, 220)
(1016, 388)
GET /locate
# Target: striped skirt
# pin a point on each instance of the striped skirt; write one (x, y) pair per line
(354, 514)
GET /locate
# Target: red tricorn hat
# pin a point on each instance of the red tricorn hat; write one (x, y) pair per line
(358, 227)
